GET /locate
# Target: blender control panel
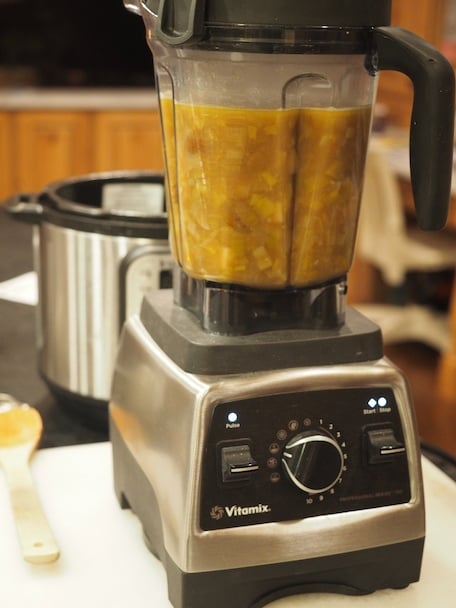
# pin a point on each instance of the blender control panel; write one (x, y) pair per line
(298, 455)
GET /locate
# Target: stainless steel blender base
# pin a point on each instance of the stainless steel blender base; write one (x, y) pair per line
(267, 532)
(355, 573)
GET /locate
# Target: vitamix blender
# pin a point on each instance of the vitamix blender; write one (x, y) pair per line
(258, 432)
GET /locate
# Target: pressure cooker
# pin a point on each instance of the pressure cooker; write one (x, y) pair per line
(100, 241)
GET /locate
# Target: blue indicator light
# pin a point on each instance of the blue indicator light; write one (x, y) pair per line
(232, 417)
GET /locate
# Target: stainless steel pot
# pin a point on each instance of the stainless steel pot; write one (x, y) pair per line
(100, 241)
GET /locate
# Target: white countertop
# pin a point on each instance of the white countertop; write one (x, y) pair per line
(12, 99)
(104, 562)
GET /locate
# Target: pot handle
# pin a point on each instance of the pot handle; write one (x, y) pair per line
(431, 129)
(25, 208)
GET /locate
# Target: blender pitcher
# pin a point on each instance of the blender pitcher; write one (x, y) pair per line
(265, 171)
(278, 457)
(266, 110)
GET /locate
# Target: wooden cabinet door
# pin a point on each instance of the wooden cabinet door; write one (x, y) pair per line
(128, 140)
(6, 157)
(53, 145)
(424, 18)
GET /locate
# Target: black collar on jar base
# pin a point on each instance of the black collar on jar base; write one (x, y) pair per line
(234, 310)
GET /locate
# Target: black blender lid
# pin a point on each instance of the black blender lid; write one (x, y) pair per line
(184, 21)
(350, 13)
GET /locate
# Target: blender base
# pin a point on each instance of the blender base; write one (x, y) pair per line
(354, 573)
(354, 525)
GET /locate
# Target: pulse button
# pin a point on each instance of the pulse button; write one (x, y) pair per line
(237, 463)
(382, 445)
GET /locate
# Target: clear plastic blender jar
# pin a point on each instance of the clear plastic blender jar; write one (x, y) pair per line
(266, 122)
(265, 159)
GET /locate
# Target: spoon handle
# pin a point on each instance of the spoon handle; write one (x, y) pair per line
(35, 536)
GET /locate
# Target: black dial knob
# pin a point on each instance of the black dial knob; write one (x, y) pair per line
(313, 461)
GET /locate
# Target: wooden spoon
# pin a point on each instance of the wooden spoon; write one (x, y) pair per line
(20, 430)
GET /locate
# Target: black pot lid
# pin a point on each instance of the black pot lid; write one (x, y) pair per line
(79, 204)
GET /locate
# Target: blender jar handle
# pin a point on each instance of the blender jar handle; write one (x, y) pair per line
(133, 6)
(431, 131)
(180, 23)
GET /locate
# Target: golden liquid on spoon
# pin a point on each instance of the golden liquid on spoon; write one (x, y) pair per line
(19, 424)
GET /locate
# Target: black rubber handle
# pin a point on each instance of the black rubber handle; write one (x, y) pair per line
(432, 125)
(181, 22)
(24, 207)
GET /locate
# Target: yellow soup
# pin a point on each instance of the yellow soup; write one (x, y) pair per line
(265, 198)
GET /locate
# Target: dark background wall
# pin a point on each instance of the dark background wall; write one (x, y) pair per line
(74, 43)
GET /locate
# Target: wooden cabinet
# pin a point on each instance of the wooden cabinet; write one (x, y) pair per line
(6, 154)
(426, 19)
(50, 146)
(127, 140)
(39, 147)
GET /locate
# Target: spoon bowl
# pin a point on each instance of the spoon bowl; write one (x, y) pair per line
(21, 427)
(19, 423)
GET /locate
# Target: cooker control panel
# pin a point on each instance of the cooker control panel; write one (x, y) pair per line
(297, 455)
